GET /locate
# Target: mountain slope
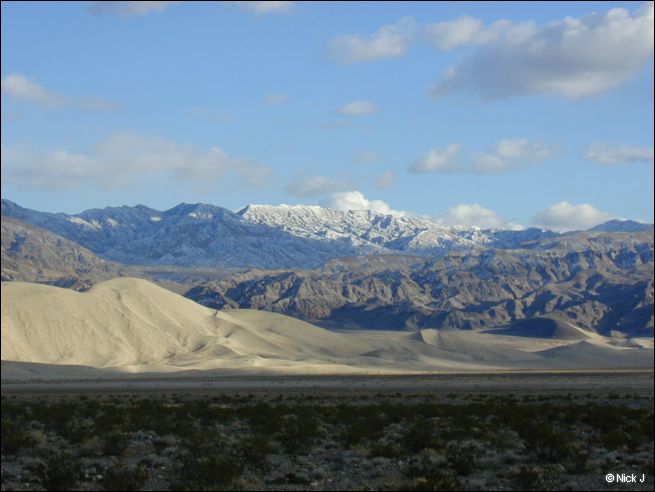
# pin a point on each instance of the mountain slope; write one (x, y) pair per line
(262, 236)
(372, 232)
(622, 226)
(186, 235)
(598, 282)
(33, 254)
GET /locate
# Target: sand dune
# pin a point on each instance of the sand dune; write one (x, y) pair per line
(130, 325)
(544, 327)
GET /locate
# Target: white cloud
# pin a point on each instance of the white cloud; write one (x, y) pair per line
(442, 160)
(390, 41)
(509, 153)
(474, 215)
(603, 153)
(277, 98)
(565, 216)
(386, 180)
(357, 108)
(316, 186)
(120, 159)
(20, 87)
(452, 34)
(467, 30)
(129, 9)
(574, 57)
(264, 7)
(355, 200)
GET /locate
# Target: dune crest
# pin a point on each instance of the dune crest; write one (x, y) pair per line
(131, 325)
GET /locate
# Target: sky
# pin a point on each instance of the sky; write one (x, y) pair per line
(490, 114)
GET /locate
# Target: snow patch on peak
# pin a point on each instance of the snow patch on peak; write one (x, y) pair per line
(94, 224)
(200, 215)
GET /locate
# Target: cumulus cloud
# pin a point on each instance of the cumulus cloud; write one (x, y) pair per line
(442, 160)
(129, 9)
(603, 153)
(449, 35)
(22, 88)
(355, 200)
(467, 30)
(120, 159)
(474, 215)
(357, 108)
(390, 41)
(264, 7)
(316, 186)
(565, 216)
(386, 180)
(573, 58)
(510, 153)
(503, 156)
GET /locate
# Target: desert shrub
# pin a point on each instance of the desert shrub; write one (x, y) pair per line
(419, 436)
(299, 430)
(207, 472)
(162, 442)
(263, 417)
(385, 450)
(14, 437)
(119, 476)
(254, 449)
(461, 459)
(60, 471)
(535, 477)
(116, 443)
(78, 430)
(426, 476)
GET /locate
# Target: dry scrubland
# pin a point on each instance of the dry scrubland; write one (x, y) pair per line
(125, 387)
(542, 437)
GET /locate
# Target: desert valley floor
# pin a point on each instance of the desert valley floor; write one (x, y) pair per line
(128, 386)
(126, 326)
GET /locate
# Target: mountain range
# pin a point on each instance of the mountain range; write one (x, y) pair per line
(263, 236)
(355, 269)
(601, 282)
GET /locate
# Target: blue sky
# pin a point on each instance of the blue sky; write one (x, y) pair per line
(491, 114)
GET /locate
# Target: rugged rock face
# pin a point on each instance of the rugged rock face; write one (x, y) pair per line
(601, 282)
(259, 236)
(187, 235)
(33, 254)
(371, 232)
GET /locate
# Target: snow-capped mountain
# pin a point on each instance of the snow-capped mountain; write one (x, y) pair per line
(260, 235)
(384, 233)
(370, 231)
(185, 235)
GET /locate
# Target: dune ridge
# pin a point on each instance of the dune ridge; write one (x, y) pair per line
(129, 325)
